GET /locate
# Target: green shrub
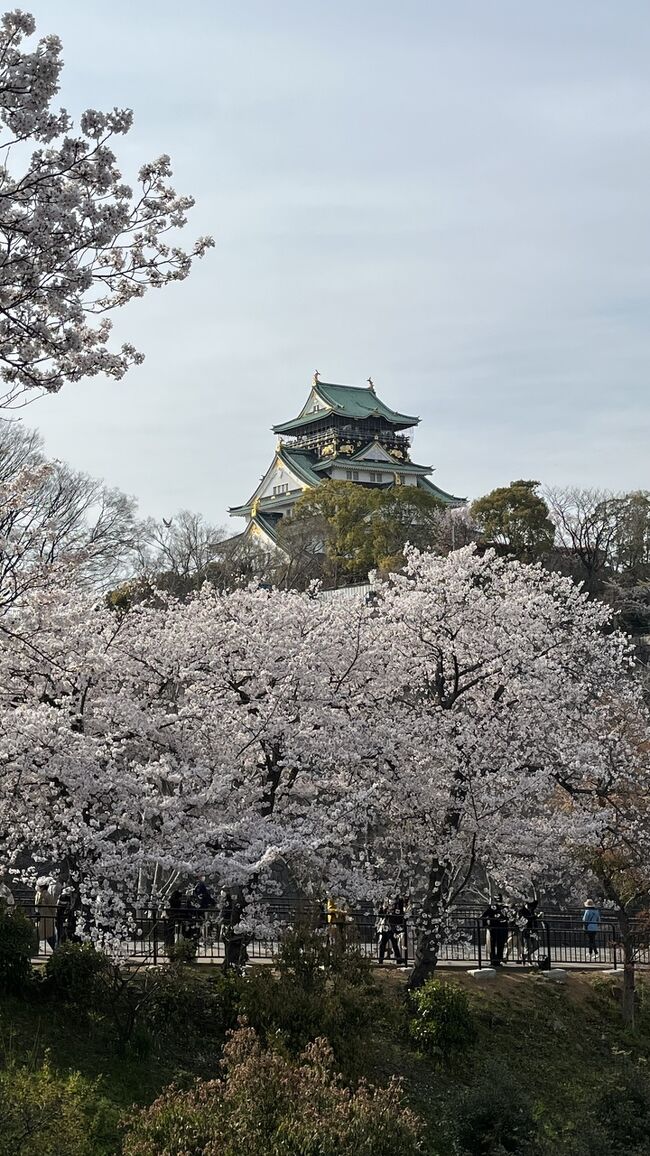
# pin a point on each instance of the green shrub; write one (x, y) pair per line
(183, 1000)
(46, 1114)
(620, 1114)
(76, 975)
(443, 1024)
(495, 1116)
(268, 1105)
(184, 951)
(18, 943)
(278, 1006)
(142, 1008)
(308, 958)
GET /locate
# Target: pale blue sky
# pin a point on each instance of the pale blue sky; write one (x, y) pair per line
(451, 197)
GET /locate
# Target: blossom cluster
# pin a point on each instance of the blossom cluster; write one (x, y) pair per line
(468, 719)
(76, 241)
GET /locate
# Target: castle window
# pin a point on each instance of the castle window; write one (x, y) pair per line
(352, 475)
(282, 489)
(375, 477)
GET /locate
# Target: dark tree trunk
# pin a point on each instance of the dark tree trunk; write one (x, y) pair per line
(628, 999)
(628, 1002)
(426, 960)
(427, 937)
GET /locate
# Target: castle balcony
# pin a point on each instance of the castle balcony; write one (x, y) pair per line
(338, 437)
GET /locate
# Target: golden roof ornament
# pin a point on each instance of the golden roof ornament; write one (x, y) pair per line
(371, 385)
(316, 377)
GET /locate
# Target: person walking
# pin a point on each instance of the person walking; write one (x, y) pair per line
(55, 888)
(337, 918)
(401, 929)
(203, 899)
(174, 919)
(387, 932)
(202, 895)
(591, 924)
(45, 913)
(495, 920)
(61, 914)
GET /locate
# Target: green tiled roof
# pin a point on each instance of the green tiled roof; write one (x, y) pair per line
(358, 402)
(352, 401)
(300, 464)
(267, 525)
(442, 495)
(370, 464)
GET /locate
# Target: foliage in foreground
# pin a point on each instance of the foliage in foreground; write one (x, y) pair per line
(16, 949)
(443, 1025)
(495, 1115)
(141, 1008)
(43, 1113)
(314, 991)
(265, 1104)
(552, 1069)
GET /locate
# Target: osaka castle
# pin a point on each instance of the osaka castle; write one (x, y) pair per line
(344, 433)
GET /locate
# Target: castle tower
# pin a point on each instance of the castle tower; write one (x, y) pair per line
(343, 432)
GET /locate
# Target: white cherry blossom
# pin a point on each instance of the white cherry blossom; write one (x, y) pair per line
(76, 241)
(440, 734)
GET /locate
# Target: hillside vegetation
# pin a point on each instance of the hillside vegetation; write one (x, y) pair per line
(521, 1065)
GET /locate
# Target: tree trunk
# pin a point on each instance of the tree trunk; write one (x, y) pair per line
(628, 1000)
(427, 938)
(426, 960)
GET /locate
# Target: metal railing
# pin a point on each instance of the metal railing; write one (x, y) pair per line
(356, 436)
(557, 940)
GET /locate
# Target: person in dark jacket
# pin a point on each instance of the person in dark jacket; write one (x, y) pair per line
(495, 920)
(202, 899)
(387, 932)
(202, 895)
(398, 916)
(527, 919)
(176, 909)
(63, 905)
(234, 942)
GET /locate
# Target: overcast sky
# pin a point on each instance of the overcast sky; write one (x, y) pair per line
(450, 197)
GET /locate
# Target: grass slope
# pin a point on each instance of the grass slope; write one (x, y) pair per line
(557, 1046)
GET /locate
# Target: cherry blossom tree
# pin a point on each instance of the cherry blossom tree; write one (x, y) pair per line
(76, 242)
(177, 737)
(404, 746)
(491, 670)
(616, 792)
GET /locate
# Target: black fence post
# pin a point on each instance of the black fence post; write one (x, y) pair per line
(613, 935)
(478, 940)
(155, 936)
(547, 928)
